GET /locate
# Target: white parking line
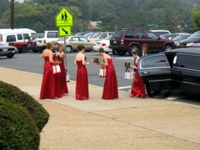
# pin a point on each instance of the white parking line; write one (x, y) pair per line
(124, 87)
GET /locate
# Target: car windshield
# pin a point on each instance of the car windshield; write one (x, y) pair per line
(96, 35)
(195, 36)
(117, 35)
(108, 38)
(62, 38)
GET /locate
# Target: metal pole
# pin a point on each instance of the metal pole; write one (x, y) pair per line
(12, 14)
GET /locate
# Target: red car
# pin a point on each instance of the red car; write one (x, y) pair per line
(124, 41)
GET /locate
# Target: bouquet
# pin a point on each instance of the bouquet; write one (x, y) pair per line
(127, 65)
(59, 57)
(97, 61)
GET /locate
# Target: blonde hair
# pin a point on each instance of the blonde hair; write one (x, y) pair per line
(49, 45)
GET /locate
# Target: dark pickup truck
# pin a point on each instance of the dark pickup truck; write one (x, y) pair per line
(175, 69)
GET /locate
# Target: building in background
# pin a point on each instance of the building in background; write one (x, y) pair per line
(93, 25)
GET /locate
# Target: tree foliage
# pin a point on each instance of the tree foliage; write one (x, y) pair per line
(174, 15)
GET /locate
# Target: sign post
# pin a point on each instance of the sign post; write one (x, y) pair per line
(64, 21)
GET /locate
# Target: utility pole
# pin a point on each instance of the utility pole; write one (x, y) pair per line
(12, 13)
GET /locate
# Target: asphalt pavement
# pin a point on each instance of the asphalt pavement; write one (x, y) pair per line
(125, 123)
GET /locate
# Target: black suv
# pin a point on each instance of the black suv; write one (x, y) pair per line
(124, 41)
(175, 69)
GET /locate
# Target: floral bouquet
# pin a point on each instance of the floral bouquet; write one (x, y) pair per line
(97, 61)
(60, 57)
(127, 65)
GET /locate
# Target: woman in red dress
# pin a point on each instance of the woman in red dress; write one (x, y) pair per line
(48, 88)
(110, 90)
(61, 56)
(82, 92)
(138, 87)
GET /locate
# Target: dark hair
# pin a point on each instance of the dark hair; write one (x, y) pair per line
(49, 45)
(101, 50)
(80, 47)
(145, 45)
(135, 52)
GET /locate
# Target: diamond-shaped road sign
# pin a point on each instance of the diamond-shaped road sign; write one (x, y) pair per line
(64, 18)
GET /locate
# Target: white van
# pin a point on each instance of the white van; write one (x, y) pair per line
(17, 37)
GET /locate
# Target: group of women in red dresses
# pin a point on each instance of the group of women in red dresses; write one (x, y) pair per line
(54, 83)
(54, 74)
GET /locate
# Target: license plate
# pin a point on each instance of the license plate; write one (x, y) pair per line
(115, 42)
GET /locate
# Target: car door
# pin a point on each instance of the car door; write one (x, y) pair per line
(87, 44)
(74, 42)
(156, 71)
(154, 42)
(186, 72)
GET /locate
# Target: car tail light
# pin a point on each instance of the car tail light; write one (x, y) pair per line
(122, 41)
(104, 44)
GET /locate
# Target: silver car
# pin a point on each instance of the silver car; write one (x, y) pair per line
(72, 42)
(6, 50)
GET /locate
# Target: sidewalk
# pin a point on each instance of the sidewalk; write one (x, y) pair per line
(123, 124)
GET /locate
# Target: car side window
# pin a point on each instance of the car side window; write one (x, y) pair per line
(152, 36)
(19, 36)
(74, 39)
(52, 34)
(11, 38)
(83, 39)
(140, 35)
(129, 34)
(26, 36)
(188, 61)
(154, 62)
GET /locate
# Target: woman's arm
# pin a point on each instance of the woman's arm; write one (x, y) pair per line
(105, 61)
(51, 58)
(83, 60)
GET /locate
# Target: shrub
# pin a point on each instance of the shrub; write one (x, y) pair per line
(18, 130)
(15, 95)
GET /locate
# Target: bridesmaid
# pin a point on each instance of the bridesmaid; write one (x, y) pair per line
(110, 90)
(138, 87)
(48, 89)
(61, 55)
(82, 92)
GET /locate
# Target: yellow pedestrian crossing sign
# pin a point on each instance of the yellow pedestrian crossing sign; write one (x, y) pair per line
(65, 30)
(64, 18)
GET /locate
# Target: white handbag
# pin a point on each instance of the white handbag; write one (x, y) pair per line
(68, 77)
(56, 69)
(102, 72)
(128, 75)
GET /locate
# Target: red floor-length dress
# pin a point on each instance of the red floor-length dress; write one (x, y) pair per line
(138, 87)
(82, 92)
(48, 81)
(63, 78)
(57, 77)
(110, 90)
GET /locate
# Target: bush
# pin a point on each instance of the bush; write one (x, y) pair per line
(15, 95)
(18, 130)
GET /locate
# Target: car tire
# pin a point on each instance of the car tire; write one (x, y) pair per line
(114, 52)
(151, 93)
(10, 56)
(24, 49)
(121, 53)
(167, 47)
(69, 49)
(35, 51)
(133, 48)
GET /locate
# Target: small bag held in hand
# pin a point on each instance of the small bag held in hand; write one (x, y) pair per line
(68, 77)
(56, 69)
(128, 74)
(102, 72)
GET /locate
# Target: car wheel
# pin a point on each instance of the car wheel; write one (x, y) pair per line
(167, 47)
(24, 49)
(151, 93)
(133, 48)
(121, 53)
(69, 49)
(114, 52)
(35, 51)
(10, 56)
